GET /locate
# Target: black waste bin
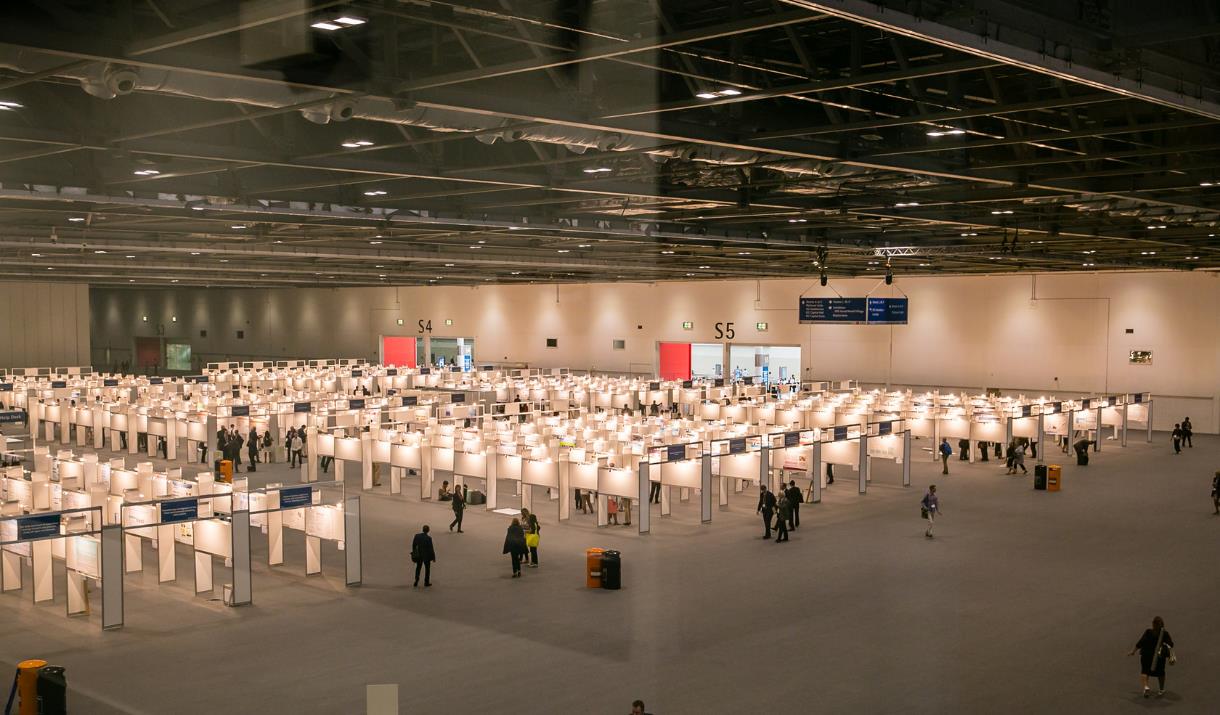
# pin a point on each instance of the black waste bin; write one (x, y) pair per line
(612, 570)
(52, 690)
(1040, 476)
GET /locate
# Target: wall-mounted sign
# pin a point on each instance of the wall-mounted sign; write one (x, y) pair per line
(458, 397)
(1027, 410)
(391, 372)
(155, 381)
(687, 384)
(58, 384)
(241, 410)
(737, 446)
(887, 311)
(1140, 357)
(840, 433)
(6, 387)
(833, 310)
(293, 497)
(425, 371)
(884, 428)
(357, 373)
(179, 510)
(675, 452)
(299, 407)
(792, 439)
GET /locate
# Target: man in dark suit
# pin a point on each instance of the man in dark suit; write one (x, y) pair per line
(422, 555)
(766, 507)
(794, 499)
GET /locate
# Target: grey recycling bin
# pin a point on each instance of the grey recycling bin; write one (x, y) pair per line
(612, 570)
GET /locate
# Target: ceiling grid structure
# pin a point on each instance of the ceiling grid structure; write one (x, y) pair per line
(195, 142)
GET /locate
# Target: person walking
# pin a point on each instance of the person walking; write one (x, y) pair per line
(1018, 459)
(236, 442)
(422, 555)
(766, 507)
(1187, 431)
(252, 449)
(1177, 438)
(290, 446)
(929, 508)
(222, 442)
(458, 502)
(267, 454)
(514, 545)
(945, 452)
(533, 535)
(783, 516)
(794, 501)
(302, 446)
(203, 451)
(963, 448)
(1155, 648)
(1216, 492)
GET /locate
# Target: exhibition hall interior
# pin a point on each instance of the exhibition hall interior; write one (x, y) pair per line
(609, 356)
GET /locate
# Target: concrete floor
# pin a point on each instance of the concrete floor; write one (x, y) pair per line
(1025, 602)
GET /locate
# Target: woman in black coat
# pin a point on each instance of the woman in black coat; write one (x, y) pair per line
(514, 545)
(1155, 647)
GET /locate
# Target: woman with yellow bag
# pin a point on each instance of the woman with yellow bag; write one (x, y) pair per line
(533, 531)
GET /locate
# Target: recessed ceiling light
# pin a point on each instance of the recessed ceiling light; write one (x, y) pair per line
(50, 269)
(76, 218)
(99, 251)
(584, 245)
(194, 253)
(356, 143)
(376, 192)
(516, 273)
(381, 275)
(743, 253)
(902, 204)
(667, 252)
(969, 233)
(146, 172)
(129, 256)
(224, 260)
(36, 255)
(1207, 183)
(706, 95)
(998, 212)
(476, 246)
(131, 280)
(1156, 226)
(598, 170)
(329, 26)
(350, 20)
(690, 274)
(238, 226)
(371, 243)
(562, 250)
(449, 265)
(174, 280)
(1088, 264)
(924, 265)
(705, 267)
(797, 220)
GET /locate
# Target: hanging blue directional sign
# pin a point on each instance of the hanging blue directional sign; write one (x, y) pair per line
(833, 310)
(887, 311)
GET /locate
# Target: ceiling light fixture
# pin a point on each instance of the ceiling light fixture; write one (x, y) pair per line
(36, 255)
(903, 204)
(1004, 212)
(1207, 183)
(1156, 226)
(797, 220)
(194, 253)
(667, 252)
(7, 105)
(376, 192)
(76, 219)
(146, 172)
(328, 26)
(356, 143)
(705, 267)
(129, 256)
(238, 226)
(350, 20)
(371, 243)
(968, 234)
(562, 250)
(727, 92)
(598, 170)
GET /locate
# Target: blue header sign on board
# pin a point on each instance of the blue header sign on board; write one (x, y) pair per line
(884, 428)
(39, 526)
(833, 310)
(840, 434)
(792, 439)
(675, 452)
(355, 404)
(293, 497)
(6, 387)
(887, 311)
(299, 407)
(457, 397)
(241, 410)
(11, 417)
(737, 445)
(110, 383)
(410, 400)
(59, 384)
(179, 510)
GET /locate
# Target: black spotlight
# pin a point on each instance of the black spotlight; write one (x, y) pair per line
(822, 278)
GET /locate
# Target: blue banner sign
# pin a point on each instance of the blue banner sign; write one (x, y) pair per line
(792, 439)
(178, 510)
(675, 453)
(298, 407)
(293, 497)
(884, 428)
(887, 311)
(156, 380)
(425, 371)
(58, 384)
(840, 433)
(241, 410)
(355, 404)
(1026, 410)
(737, 446)
(458, 397)
(833, 310)
(11, 417)
(6, 387)
(110, 383)
(357, 373)
(38, 526)
(391, 372)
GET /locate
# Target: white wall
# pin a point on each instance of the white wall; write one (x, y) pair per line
(44, 325)
(1028, 332)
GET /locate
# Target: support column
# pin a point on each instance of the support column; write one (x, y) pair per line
(112, 577)
(1149, 440)
(863, 466)
(906, 458)
(1041, 437)
(645, 516)
(819, 474)
(1100, 428)
(705, 490)
(354, 560)
(240, 534)
(1124, 432)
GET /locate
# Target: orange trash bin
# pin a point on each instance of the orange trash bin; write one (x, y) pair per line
(226, 471)
(593, 568)
(27, 686)
(1054, 478)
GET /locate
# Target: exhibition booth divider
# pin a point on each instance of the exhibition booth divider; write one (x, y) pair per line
(320, 510)
(739, 460)
(90, 552)
(685, 466)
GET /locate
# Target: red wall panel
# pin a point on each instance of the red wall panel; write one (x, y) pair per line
(398, 351)
(675, 361)
(148, 352)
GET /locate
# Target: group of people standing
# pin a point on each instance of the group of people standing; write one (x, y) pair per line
(229, 443)
(784, 510)
(297, 446)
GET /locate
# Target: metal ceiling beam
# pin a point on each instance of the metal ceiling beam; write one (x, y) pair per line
(888, 19)
(251, 14)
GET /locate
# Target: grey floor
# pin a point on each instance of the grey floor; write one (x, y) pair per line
(1024, 602)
